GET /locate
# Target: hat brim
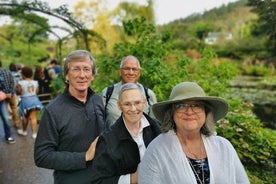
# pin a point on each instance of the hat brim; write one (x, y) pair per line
(218, 106)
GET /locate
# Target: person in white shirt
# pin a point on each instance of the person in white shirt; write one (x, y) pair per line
(189, 151)
(29, 104)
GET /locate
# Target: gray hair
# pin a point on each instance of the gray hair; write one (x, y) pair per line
(78, 54)
(127, 58)
(207, 129)
(129, 86)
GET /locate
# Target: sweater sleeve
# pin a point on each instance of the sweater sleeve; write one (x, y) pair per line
(103, 169)
(149, 172)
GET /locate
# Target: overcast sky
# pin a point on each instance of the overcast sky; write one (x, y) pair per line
(165, 10)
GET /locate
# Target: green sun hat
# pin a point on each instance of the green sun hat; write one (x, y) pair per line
(191, 91)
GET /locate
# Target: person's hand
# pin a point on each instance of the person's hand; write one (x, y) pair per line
(3, 96)
(90, 153)
(134, 177)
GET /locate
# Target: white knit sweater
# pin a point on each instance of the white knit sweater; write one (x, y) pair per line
(165, 163)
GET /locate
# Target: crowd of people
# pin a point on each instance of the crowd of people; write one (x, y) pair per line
(19, 90)
(123, 135)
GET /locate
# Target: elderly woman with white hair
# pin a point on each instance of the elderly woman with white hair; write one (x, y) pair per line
(120, 148)
(188, 150)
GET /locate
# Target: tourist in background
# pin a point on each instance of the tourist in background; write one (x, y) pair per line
(29, 103)
(6, 90)
(12, 102)
(40, 78)
(49, 75)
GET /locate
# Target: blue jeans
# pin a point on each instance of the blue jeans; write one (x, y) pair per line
(5, 119)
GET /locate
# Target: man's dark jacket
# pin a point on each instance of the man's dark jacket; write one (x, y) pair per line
(117, 153)
(66, 131)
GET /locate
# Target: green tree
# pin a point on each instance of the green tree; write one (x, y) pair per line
(108, 23)
(158, 59)
(266, 10)
(25, 43)
(126, 11)
(202, 29)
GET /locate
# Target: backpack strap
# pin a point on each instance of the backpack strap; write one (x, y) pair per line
(108, 94)
(147, 94)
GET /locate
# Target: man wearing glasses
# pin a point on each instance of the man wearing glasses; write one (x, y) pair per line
(130, 71)
(71, 123)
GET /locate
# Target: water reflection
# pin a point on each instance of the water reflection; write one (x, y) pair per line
(267, 114)
(250, 88)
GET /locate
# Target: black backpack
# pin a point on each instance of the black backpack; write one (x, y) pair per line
(46, 82)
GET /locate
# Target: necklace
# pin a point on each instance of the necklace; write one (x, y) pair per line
(201, 180)
(197, 155)
(198, 158)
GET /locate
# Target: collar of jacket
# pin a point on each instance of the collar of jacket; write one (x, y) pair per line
(122, 133)
(90, 93)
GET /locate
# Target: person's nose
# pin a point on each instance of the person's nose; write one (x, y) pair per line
(133, 107)
(82, 73)
(131, 71)
(189, 110)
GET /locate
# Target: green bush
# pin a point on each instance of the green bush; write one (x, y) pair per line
(257, 70)
(162, 66)
(255, 145)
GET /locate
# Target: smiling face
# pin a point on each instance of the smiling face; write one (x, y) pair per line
(130, 71)
(189, 116)
(79, 75)
(132, 104)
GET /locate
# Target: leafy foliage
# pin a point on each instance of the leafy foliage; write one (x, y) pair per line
(212, 74)
(21, 46)
(254, 144)
(266, 10)
(251, 47)
(254, 70)
(156, 56)
(202, 29)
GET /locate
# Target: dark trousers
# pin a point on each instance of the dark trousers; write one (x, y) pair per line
(5, 120)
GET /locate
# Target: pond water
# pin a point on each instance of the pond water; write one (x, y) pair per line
(250, 88)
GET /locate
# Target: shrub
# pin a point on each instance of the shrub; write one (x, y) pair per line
(254, 144)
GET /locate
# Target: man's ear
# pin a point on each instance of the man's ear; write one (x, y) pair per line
(119, 106)
(145, 103)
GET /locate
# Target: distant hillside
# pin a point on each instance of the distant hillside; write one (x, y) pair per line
(227, 18)
(216, 13)
(234, 17)
(232, 12)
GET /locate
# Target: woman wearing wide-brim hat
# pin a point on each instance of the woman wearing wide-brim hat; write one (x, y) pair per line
(188, 150)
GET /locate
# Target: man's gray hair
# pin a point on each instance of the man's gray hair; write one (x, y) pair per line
(127, 58)
(78, 54)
